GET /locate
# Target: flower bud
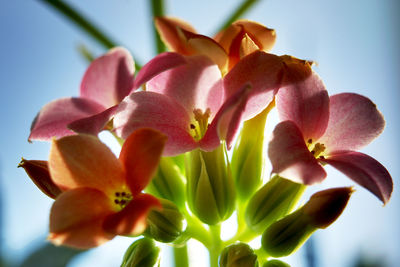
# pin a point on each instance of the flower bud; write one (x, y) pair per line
(248, 155)
(211, 194)
(166, 224)
(273, 201)
(238, 255)
(141, 253)
(288, 234)
(38, 171)
(275, 263)
(168, 182)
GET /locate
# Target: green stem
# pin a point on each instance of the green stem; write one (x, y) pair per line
(157, 9)
(216, 246)
(240, 11)
(83, 23)
(262, 256)
(181, 257)
(195, 229)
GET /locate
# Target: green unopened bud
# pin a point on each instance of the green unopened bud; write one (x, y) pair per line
(238, 255)
(273, 201)
(248, 155)
(288, 234)
(38, 171)
(141, 253)
(211, 193)
(166, 224)
(275, 263)
(168, 182)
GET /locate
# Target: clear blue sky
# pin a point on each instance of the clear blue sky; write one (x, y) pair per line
(356, 44)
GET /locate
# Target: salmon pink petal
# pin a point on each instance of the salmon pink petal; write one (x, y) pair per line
(354, 121)
(157, 111)
(53, 118)
(77, 216)
(264, 72)
(131, 220)
(84, 161)
(189, 84)
(140, 156)
(93, 124)
(170, 30)
(109, 78)
(226, 123)
(158, 64)
(304, 102)
(365, 171)
(290, 157)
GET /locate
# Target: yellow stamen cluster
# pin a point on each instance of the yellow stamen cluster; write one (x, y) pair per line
(199, 126)
(316, 149)
(121, 199)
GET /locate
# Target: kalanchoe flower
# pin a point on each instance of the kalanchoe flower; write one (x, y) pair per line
(318, 129)
(225, 49)
(106, 82)
(102, 194)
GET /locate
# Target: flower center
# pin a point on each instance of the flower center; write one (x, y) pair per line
(200, 124)
(122, 198)
(316, 149)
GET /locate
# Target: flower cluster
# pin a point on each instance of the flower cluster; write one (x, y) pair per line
(176, 119)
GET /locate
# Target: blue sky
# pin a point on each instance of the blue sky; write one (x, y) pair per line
(355, 44)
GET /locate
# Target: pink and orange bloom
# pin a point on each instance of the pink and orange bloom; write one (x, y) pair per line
(317, 129)
(101, 194)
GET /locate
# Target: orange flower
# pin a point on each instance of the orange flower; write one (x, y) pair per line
(102, 194)
(238, 40)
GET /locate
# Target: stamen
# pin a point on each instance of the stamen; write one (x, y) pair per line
(122, 198)
(200, 125)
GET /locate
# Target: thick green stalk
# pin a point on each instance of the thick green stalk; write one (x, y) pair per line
(83, 23)
(181, 257)
(157, 9)
(239, 12)
(216, 246)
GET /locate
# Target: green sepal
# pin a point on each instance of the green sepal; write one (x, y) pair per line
(211, 193)
(238, 255)
(248, 155)
(275, 263)
(141, 253)
(165, 225)
(168, 182)
(271, 202)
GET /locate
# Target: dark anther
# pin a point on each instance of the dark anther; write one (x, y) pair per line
(122, 202)
(192, 126)
(321, 157)
(309, 141)
(116, 201)
(117, 194)
(313, 152)
(123, 194)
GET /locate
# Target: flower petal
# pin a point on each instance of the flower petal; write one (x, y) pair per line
(354, 121)
(290, 157)
(53, 118)
(305, 102)
(109, 78)
(131, 220)
(76, 218)
(84, 161)
(264, 72)
(93, 124)
(365, 171)
(227, 121)
(157, 111)
(158, 64)
(189, 84)
(140, 156)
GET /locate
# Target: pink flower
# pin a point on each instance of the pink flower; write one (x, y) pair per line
(107, 81)
(318, 129)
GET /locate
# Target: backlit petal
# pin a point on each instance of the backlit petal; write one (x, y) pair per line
(189, 84)
(365, 171)
(53, 118)
(132, 219)
(157, 111)
(290, 157)
(77, 216)
(109, 78)
(84, 161)
(305, 102)
(354, 121)
(140, 156)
